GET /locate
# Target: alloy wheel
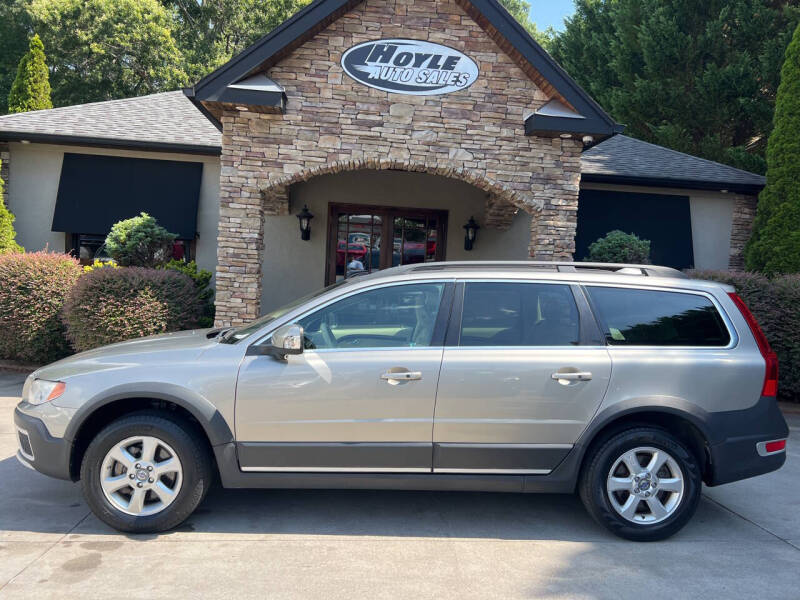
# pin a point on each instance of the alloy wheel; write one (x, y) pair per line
(141, 475)
(645, 485)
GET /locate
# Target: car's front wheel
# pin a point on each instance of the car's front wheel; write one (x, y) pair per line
(643, 484)
(145, 473)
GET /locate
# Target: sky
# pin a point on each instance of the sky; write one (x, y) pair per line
(551, 12)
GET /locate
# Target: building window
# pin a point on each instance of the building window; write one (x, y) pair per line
(363, 238)
(87, 248)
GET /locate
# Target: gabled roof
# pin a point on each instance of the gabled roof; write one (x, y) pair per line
(165, 122)
(216, 86)
(625, 160)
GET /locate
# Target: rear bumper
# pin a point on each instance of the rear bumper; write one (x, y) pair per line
(38, 449)
(737, 457)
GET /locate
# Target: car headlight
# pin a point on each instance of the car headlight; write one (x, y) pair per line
(39, 391)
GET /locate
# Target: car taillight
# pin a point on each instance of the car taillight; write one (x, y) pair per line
(770, 387)
(775, 446)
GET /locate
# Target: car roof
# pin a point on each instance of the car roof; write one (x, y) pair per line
(582, 272)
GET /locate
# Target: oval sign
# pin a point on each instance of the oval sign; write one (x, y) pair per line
(410, 67)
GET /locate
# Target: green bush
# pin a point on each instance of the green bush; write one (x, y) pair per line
(775, 303)
(620, 247)
(33, 287)
(202, 281)
(112, 305)
(7, 233)
(774, 246)
(140, 242)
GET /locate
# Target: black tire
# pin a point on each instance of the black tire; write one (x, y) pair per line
(192, 453)
(597, 466)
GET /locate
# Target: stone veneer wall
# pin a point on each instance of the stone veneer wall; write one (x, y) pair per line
(744, 213)
(5, 165)
(333, 123)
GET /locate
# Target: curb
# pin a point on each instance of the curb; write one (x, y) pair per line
(15, 367)
(789, 408)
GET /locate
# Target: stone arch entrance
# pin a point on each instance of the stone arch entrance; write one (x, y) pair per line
(512, 196)
(241, 236)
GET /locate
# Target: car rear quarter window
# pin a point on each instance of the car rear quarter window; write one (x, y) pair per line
(519, 314)
(635, 317)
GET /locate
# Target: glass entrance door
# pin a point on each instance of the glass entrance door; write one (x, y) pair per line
(363, 239)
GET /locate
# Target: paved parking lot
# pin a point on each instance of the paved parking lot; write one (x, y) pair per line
(744, 542)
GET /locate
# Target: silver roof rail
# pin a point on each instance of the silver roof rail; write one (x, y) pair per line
(559, 266)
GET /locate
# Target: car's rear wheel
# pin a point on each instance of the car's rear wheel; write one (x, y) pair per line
(642, 484)
(145, 473)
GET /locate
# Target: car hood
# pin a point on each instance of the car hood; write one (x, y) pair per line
(155, 349)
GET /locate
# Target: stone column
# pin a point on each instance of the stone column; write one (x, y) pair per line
(744, 212)
(240, 242)
(553, 228)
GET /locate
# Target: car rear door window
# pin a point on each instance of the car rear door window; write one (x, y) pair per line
(519, 314)
(635, 317)
(398, 316)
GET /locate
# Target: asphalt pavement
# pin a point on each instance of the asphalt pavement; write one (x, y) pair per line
(744, 542)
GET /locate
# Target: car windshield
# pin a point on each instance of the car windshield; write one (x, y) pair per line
(236, 334)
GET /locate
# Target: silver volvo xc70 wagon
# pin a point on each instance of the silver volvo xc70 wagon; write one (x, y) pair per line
(630, 384)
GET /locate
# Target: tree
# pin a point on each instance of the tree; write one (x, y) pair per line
(698, 77)
(211, 32)
(775, 243)
(7, 233)
(520, 10)
(14, 32)
(140, 242)
(31, 88)
(106, 49)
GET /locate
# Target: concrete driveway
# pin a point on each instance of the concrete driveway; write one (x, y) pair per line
(744, 542)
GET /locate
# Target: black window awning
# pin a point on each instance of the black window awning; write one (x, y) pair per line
(97, 191)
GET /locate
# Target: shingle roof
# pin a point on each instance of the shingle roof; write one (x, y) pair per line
(622, 159)
(169, 121)
(162, 121)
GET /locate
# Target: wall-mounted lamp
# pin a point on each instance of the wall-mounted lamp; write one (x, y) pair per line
(305, 216)
(471, 229)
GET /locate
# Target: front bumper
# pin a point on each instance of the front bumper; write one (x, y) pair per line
(737, 456)
(39, 450)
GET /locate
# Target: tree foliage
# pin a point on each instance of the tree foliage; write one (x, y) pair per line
(620, 247)
(31, 88)
(106, 49)
(520, 10)
(775, 244)
(211, 32)
(15, 28)
(139, 242)
(7, 233)
(698, 77)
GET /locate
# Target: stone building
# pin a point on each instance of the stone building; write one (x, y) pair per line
(395, 124)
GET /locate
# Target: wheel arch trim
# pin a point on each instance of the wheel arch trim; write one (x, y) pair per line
(569, 469)
(668, 405)
(209, 417)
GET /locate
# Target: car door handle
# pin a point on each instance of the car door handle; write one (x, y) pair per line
(580, 376)
(401, 376)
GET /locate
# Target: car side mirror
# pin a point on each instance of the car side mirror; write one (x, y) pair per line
(284, 341)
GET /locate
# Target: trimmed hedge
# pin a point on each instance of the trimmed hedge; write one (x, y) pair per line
(113, 305)
(776, 305)
(33, 288)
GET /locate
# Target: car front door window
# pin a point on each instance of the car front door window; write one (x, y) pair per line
(399, 316)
